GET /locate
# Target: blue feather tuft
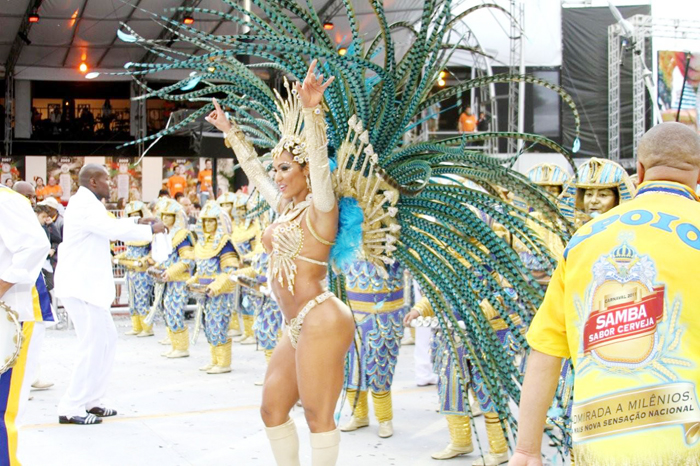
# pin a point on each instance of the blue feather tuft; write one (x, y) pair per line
(333, 164)
(348, 241)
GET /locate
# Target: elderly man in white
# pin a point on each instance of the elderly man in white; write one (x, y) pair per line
(85, 286)
(23, 249)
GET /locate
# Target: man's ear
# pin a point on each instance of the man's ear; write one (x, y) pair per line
(640, 173)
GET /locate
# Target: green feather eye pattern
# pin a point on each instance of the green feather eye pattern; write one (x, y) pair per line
(447, 198)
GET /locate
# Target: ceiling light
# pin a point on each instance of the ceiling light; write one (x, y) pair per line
(188, 20)
(443, 74)
(328, 26)
(33, 18)
(211, 69)
(441, 82)
(92, 75)
(342, 51)
(83, 67)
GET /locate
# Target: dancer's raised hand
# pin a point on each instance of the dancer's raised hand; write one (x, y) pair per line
(311, 91)
(218, 118)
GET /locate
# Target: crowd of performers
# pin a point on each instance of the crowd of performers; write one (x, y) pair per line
(222, 265)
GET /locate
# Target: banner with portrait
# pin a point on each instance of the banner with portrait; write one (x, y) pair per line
(11, 168)
(63, 171)
(679, 87)
(125, 178)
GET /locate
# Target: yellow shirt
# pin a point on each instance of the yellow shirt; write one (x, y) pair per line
(624, 304)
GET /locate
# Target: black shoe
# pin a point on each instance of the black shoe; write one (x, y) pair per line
(80, 420)
(102, 412)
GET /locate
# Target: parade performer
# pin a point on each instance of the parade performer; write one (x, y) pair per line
(175, 271)
(216, 259)
(454, 371)
(226, 201)
(601, 184)
(85, 286)
(268, 317)
(377, 303)
(23, 250)
(136, 260)
(382, 178)
(245, 236)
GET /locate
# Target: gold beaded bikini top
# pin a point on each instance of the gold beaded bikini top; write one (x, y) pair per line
(288, 241)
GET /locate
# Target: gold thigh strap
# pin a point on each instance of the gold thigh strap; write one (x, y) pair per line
(295, 324)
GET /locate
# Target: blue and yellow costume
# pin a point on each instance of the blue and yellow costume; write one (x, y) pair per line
(452, 364)
(178, 267)
(376, 298)
(268, 316)
(136, 260)
(245, 236)
(216, 258)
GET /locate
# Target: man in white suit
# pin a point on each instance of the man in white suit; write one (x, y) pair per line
(85, 285)
(23, 249)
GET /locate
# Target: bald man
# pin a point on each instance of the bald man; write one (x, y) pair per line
(622, 304)
(27, 190)
(85, 286)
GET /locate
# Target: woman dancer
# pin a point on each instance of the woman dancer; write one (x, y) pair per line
(308, 362)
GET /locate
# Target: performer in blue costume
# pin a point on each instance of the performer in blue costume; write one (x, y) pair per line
(137, 259)
(175, 271)
(376, 298)
(245, 236)
(216, 259)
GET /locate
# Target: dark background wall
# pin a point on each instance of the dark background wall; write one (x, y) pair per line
(584, 75)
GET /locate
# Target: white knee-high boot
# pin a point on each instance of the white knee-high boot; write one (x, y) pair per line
(285, 443)
(324, 448)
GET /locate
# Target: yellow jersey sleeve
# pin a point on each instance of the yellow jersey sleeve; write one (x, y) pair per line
(547, 332)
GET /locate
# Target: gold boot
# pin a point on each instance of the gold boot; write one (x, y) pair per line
(135, 326)
(384, 413)
(268, 355)
(181, 344)
(460, 438)
(147, 329)
(166, 339)
(498, 447)
(213, 359)
(234, 327)
(223, 359)
(360, 415)
(248, 335)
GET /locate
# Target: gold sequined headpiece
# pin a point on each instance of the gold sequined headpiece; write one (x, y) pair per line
(290, 121)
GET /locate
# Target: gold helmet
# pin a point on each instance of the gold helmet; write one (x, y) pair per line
(547, 174)
(137, 207)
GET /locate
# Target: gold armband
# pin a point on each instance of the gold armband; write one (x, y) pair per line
(178, 272)
(222, 284)
(424, 308)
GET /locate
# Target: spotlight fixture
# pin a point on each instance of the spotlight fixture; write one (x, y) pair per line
(342, 51)
(441, 82)
(33, 18)
(443, 74)
(188, 20)
(328, 26)
(83, 67)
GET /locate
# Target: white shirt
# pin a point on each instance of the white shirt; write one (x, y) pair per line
(84, 269)
(23, 250)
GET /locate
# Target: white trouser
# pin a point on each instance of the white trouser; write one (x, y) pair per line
(421, 357)
(31, 367)
(97, 341)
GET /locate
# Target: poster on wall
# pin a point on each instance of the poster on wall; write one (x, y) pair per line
(124, 178)
(11, 168)
(63, 171)
(180, 175)
(679, 86)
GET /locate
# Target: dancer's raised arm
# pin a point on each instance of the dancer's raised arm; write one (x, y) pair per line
(246, 155)
(311, 96)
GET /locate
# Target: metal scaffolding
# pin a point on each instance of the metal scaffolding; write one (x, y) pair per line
(9, 113)
(516, 91)
(644, 28)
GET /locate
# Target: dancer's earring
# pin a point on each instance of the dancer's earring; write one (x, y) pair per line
(308, 183)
